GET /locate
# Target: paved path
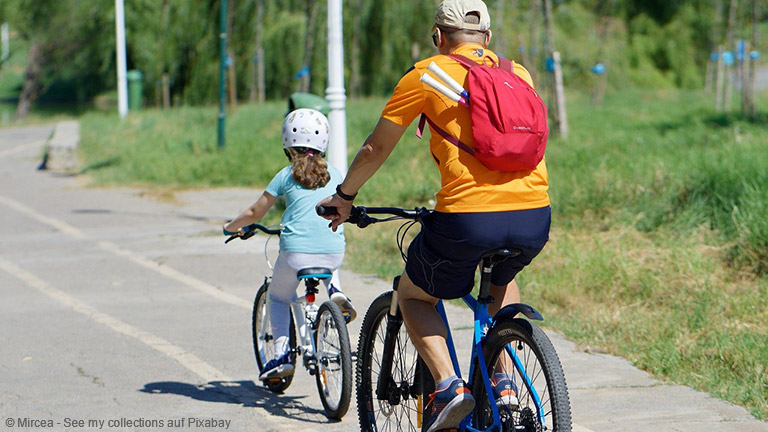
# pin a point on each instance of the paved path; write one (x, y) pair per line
(117, 307)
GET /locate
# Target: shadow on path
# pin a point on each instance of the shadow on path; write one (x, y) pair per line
(244, 393)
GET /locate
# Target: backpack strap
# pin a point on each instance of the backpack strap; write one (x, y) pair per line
(506, 64)
(468, 63)
(448, 137)
(465, 61)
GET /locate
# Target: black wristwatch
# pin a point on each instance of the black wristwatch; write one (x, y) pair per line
(344, 196)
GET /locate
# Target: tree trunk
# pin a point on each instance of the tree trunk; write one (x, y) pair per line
(533, 39)
(712, 69)
(232, 72)
(31, 86)
(166, 84)
(232, 81)
(498, 35)
(749, 86)
(355, 78)
(558, 87)
(719, 79)
(729, 47)
(257, 65)
(309, 43)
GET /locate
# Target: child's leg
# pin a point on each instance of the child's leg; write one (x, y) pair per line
(334, 286)
(335, 283)
(281, 293)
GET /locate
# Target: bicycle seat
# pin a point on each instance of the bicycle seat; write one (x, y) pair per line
(314, 272)
(496, 256)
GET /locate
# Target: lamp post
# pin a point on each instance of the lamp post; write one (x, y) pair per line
(335, 93)
(122, 83)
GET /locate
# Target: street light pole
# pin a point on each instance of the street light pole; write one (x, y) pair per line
(335, 93)
(222, 72)
(122, 83)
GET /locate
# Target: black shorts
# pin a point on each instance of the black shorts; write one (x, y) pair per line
(443, 257)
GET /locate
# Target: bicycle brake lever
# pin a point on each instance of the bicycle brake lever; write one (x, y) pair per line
(362, 219)
(232, 237)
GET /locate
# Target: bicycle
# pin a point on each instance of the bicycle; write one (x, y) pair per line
(393, 381)
(323, 341)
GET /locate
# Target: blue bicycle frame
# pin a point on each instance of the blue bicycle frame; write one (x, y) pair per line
(482, 323)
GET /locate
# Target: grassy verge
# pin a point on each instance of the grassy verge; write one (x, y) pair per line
(659, 245)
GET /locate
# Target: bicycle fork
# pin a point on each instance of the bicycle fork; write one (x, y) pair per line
(386, 387)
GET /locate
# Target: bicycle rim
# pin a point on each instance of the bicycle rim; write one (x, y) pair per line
(402, 410)
(538, 376)
(334, 357)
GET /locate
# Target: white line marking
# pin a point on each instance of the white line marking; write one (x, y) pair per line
(19, 149)
(186, 359)
(164, 270)
(57, 224)
(190, 361)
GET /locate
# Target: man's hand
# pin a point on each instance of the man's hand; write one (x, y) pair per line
(343, 207)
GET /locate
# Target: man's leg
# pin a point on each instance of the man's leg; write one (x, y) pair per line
(503, 372)
(452, 400)
(425, 328)
(503, 295)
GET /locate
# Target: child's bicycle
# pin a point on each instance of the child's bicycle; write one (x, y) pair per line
(393, 382)
(323, 341)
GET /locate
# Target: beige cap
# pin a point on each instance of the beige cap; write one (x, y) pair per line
(451, 13)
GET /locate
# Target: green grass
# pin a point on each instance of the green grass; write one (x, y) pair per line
(659, 244)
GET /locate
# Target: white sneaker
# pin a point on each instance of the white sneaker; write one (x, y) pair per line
(345, 304)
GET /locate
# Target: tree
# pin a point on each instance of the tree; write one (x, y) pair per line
(67, 40)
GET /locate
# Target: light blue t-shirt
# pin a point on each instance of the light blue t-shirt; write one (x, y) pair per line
(303, 230)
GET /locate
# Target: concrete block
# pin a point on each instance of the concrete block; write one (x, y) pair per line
(61, 148)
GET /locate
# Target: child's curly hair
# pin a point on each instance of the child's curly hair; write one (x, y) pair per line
(308, 167)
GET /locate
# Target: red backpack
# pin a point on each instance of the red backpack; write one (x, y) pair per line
(509, 120)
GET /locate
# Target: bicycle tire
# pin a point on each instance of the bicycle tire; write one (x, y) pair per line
(375, 414)
(334, 360)
(542, 365)
(261, 332)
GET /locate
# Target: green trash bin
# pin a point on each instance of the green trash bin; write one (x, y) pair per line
(135, 88)
(308, 100)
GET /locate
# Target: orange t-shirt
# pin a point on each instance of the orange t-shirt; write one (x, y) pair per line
(467, 186)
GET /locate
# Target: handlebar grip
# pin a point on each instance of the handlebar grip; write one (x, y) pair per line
(326, 211)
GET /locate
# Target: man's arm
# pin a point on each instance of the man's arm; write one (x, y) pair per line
(376, 149)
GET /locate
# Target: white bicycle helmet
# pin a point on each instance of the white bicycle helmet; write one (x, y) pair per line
(306, 128)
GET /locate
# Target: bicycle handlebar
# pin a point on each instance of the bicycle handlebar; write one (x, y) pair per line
(360, 215)
(250, 231)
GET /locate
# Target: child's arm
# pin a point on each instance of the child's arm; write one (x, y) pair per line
(251, 215)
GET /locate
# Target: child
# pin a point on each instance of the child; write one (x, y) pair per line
(306, 240)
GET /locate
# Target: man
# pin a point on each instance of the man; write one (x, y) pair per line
(477, 209)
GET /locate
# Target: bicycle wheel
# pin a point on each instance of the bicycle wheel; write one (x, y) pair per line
(261, 330)
(541, 388)
(400, 407)
(334, 360)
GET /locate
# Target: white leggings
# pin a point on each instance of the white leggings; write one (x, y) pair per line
(283, 289)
